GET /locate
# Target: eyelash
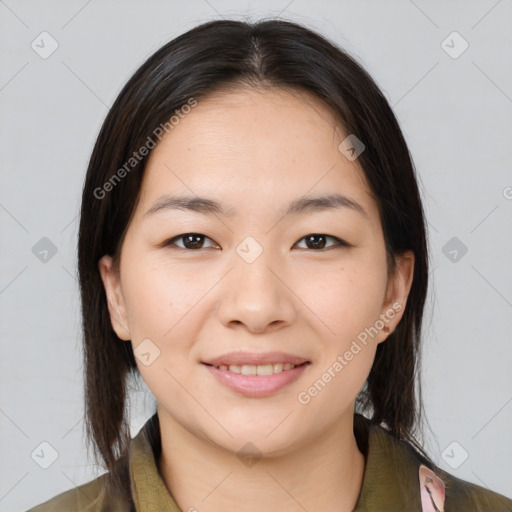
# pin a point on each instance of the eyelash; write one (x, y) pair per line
(170, 242)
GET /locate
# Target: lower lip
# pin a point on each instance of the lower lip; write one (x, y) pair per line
(257, 385)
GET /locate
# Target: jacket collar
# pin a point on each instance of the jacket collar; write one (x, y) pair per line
(148, 489)
(390, 479)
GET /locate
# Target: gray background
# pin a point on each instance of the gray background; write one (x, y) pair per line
(456, 115)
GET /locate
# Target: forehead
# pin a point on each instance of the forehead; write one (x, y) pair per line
(257, 148)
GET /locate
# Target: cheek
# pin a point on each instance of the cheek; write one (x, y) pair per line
(159, 298)
(347, 298)
(160, 308)
(163, 306)
(347, 305)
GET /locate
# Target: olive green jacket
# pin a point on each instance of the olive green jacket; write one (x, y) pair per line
(395, 480)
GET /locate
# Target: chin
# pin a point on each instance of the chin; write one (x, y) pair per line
(256, 440)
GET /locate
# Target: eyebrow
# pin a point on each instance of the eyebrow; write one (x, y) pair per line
(207, 206)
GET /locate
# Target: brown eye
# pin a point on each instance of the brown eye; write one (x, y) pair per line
(317, 241)
(192, 241)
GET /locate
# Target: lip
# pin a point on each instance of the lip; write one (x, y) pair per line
(253, 358)
(257, 386)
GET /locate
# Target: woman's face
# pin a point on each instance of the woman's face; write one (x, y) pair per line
(250, 280)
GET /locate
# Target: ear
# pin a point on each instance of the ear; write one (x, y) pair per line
(115, 299)
(399, 285)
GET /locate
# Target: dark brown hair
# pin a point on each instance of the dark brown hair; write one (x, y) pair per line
(211, 57)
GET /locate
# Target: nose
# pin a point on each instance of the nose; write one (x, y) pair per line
(255, 295)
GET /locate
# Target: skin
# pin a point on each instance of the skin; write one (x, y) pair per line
(255, 151)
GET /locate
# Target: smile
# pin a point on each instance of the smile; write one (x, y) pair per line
(256, 381)
(260, 369)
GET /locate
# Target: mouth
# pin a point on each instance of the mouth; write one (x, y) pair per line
(260, 369)
(257, 380)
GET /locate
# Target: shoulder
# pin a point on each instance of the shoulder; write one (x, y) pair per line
(448, 492)
(463, 495)
(397, 473)
(87, 497)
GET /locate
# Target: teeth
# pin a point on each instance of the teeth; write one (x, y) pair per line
(261, 369)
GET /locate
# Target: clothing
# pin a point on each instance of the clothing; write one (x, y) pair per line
(391, 481)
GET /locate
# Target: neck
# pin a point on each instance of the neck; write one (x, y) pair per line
(326, 474)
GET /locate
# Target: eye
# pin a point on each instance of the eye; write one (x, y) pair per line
(195, 241)
(318, 241)
(192, 241)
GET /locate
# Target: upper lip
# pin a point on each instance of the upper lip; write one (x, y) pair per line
(253, 358)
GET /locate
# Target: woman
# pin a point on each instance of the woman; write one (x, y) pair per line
(252, 245)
